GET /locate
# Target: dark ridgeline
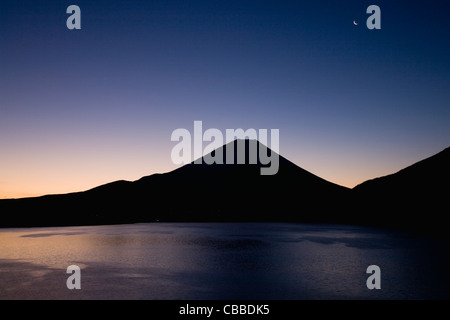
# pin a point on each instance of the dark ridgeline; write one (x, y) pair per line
(194, 192)
(416, 197)
(413, 198)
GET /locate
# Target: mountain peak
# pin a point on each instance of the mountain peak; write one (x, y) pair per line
(230, 188)
(243, 152)
(218, 190)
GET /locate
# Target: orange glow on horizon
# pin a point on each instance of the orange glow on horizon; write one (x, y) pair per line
(43, 184)
(75, 172)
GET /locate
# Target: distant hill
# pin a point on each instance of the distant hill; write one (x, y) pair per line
(194, 192)
(415, 197)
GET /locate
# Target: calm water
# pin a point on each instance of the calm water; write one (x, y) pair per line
(220, 261)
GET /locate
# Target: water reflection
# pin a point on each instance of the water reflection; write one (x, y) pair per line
(219, 261)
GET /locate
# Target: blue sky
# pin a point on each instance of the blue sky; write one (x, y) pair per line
(79, 108)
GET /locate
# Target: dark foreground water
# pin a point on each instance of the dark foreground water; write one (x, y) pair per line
(220, 261)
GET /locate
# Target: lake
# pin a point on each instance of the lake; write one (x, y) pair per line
(251, 261)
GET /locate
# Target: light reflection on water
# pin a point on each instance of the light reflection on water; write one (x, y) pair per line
(219, 261)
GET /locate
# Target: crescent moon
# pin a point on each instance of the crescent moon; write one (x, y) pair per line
(355, 23)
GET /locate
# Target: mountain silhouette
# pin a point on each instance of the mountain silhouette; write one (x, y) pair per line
(415, 197)
(193, 192)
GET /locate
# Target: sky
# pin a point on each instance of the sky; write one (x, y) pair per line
(80, 108)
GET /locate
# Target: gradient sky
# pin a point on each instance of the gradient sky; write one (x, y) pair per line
(79, 108)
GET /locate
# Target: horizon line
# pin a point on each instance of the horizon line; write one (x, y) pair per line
(224, 145)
